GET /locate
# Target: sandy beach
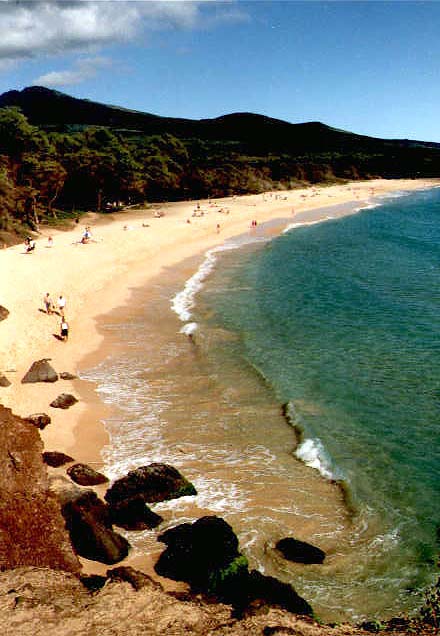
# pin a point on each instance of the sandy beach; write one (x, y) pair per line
(127, 250)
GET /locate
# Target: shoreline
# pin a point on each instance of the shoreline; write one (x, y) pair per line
(127, 255)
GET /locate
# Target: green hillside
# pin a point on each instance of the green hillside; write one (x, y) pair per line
(60, 154)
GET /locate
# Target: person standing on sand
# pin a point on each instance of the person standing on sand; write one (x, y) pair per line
(64, 328)
(47, 300)
(61, 305)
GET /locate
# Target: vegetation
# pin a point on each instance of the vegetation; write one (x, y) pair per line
(60, 155)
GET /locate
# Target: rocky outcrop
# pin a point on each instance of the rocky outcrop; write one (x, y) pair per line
(42, 602)
(4, 380)
(205, 554)
(4, 313)
(40, 371)
(32, 529)
(156, 482)
(64, 401)
(89, 523)
(40, 420)
(300, 551)
(134, 514)
(85, 475)
(56, 459)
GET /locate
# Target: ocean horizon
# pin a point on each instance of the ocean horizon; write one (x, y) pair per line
(292, 376)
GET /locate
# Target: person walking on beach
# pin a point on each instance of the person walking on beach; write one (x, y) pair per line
(48, 303)
(61, 305)
(64, 328)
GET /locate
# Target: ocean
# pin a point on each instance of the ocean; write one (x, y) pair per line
(293, 376)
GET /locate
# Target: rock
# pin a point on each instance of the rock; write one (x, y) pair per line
(86, 476)
(64, 401)
(56, 459)
(40, 420)
(156, 482)
(300, 551)
(137, 579)
(32, 529)
(4, 380)
(195, 551)
(134, 514)
(88, 521)
(275, 592)
(40, 371)
(4, 313)
(65, 375)
(93, 582)
(206, 555)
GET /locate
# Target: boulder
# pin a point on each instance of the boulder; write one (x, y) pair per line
(300, 551)
(85, 476)
(134, 514)
(64, 401)
(4, 380)
(206, 555)
(56, 459)
(40, 371)
(40, 420)
(65, 375)
(275, 592)
(4, 313)
(195, 552)
(93, 582)
(156, 482)
(88, 521)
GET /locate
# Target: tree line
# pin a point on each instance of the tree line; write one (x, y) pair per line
(45, 174)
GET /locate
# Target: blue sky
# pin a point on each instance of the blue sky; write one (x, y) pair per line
(369, 67)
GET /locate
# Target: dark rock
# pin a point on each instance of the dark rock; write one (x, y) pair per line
(40, 420)
(65, 375)
(300, 551)
(206, 555)
(4, 313)
(195, 551)
(136, 579)
(275, 592)
(40, 371)
(64, 401)
(156, 482)
(86, 476)
(88, 521)
(4, 380)
(93, 582)
(134, 514)
(56, 459)
(372, 626)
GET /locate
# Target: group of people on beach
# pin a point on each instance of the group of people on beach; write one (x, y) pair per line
(59, 309)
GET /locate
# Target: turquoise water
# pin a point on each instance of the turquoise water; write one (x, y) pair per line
(342, 320)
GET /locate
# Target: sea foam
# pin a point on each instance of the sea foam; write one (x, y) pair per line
(312, 453)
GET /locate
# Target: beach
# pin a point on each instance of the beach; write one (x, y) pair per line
(127, 251)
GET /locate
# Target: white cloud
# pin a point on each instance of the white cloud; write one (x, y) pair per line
(33, 27)
(84, 69)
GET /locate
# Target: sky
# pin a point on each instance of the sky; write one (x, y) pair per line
(370, 67)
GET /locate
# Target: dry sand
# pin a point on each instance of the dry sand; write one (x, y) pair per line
(128, 249)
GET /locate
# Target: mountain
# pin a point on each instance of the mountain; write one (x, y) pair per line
(51, 110)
